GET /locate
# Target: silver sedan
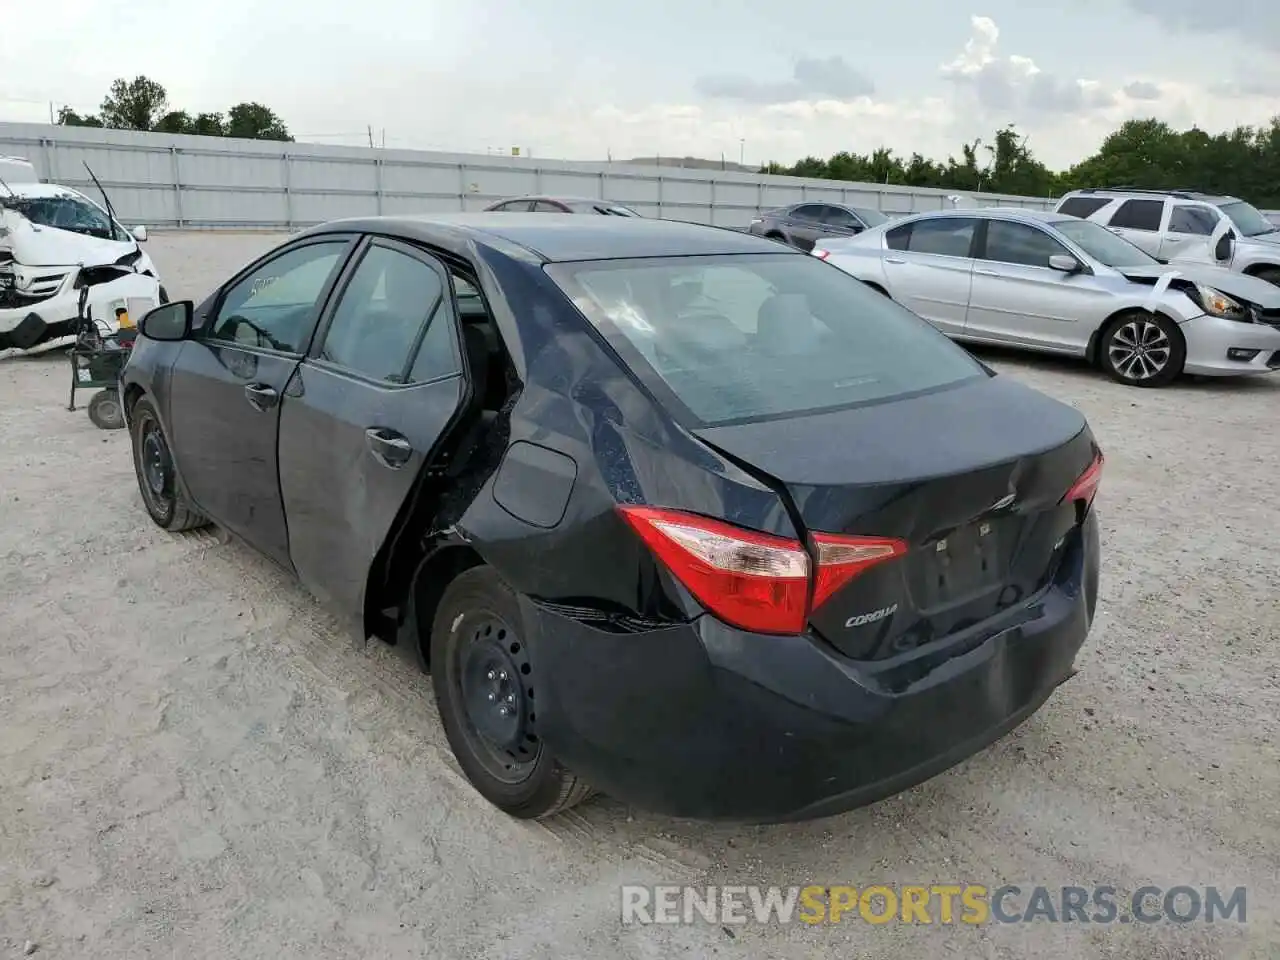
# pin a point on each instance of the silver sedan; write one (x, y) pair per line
(1044, 281)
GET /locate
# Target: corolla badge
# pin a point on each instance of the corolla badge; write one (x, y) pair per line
(862, 619)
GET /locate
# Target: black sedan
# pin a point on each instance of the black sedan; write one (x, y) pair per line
(667, 510)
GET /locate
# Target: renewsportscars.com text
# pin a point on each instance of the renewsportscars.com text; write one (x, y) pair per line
(934, 904)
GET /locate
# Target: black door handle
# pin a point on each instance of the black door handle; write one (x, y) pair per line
(261, 396)
(389, 448)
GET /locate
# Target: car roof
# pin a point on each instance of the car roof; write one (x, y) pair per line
(1020, 214)
(1138, 193)
(561, 239)
(561, 198)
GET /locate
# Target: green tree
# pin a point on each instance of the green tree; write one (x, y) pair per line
(176, 121)
(135, 104)
(69, 118)
(209, 125)
(253, 121)
(1243, 162)
(143, 104)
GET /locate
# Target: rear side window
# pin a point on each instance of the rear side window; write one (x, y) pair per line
(1139, 215)
(1082, 207)
(380, 318)
(747, 337)
(898, 237)
(809, 211)
(944, 236)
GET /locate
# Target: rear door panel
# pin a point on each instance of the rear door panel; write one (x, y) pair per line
(359, 423)
(934, 285)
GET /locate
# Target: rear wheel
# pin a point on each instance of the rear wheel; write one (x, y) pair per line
(157, 479)
(1142, 349)
(485, 687)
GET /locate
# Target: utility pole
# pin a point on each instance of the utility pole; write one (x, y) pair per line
(742, 151)
(371, 136)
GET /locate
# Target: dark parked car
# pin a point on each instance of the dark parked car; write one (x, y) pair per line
(802, 224)
(562, 205)
(669, 510)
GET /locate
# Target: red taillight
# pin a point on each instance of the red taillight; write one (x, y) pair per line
(840, 559)
(1086, 486)
(752, 580)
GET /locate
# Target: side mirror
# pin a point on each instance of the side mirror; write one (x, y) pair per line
(139, 234)
(1064, 263)
(1223, 248)
(170, 322)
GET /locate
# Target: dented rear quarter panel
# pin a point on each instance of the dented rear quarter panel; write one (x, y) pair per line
(579, 400)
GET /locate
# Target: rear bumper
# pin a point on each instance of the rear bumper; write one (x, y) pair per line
(1210, 338)
(704, 721)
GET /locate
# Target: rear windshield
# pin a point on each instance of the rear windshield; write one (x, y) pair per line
(748, 337)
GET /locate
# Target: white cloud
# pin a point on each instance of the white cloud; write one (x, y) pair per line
(1013, 86)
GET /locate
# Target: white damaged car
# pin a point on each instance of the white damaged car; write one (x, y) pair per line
(54, 243)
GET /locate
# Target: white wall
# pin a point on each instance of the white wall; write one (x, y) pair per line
(167, 180)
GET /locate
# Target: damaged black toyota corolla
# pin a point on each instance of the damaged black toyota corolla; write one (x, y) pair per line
(667, 511)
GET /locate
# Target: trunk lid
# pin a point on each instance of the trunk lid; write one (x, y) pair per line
(970, 477)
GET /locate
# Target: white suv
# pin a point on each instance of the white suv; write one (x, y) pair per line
(1183, 225)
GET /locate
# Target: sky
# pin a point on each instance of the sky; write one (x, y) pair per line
(743, 79)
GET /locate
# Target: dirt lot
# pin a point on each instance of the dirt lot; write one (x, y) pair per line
(194, 763)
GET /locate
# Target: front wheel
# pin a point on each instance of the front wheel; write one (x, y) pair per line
(157, 478)
(488, 694)
(1142, 349)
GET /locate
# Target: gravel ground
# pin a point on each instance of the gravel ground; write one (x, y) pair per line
(194, 762)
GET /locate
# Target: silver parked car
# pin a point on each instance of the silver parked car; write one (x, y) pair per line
(1051, 282)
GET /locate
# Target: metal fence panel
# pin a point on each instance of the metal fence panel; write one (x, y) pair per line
(167, 180)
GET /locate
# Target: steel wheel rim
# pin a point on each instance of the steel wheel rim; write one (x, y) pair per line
(492, 679)
(156, 464)
(1139, 350)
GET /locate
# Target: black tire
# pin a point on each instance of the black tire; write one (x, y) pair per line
(1142, 349)
(777, 238)
(480, 668)
(162, 495)
(106, 411)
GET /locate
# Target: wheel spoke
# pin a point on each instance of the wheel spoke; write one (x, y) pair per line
(1139, 349)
